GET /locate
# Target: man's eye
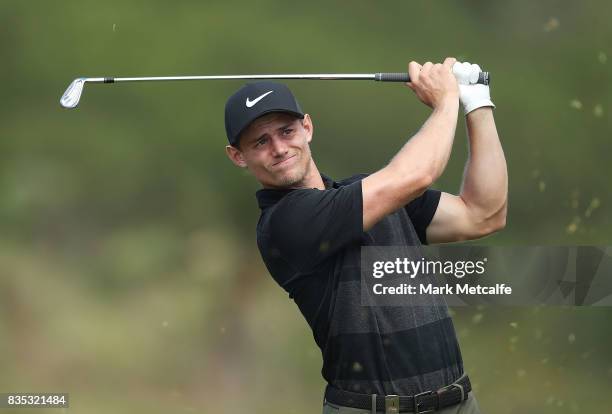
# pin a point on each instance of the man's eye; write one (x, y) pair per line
(260, 142)
(287, 131)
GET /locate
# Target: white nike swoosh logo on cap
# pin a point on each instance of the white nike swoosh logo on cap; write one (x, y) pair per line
(250, 103)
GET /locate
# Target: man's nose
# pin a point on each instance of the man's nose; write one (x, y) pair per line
(279, 147)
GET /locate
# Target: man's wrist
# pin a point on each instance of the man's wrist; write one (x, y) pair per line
(480, 114)
(448, 104)
(468, 108)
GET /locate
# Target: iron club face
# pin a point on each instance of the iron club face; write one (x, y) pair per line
(72, 96)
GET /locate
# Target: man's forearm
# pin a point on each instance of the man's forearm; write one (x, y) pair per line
(428, 151)
(485, 181)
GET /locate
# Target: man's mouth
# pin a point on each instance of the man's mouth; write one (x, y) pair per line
(283, 161)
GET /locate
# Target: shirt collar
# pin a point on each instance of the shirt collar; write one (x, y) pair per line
(267, 197)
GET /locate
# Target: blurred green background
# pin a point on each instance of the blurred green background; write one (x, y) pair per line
(129, 274)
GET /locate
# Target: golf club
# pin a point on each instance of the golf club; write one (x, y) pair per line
(72, 96)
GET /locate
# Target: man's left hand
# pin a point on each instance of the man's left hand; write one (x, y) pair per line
(472, 96)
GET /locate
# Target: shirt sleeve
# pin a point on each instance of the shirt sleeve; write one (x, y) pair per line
(421, 211)
(310, 225)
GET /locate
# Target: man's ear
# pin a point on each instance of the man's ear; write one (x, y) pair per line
(307, 124)
(235, 155)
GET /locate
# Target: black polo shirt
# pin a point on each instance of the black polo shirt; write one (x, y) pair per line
(310, 241)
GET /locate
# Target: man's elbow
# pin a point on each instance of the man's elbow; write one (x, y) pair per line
(493, 223)
(497, 224)
(422, 183)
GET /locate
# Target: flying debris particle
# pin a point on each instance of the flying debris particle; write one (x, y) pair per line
(560, 403)
(535, 173)
(521, 373)
(477, 318)
(602, 57)
(595, 203)
(324, 246)
(222, 330)
(114, 27)
(541, 186)
(576, 104)
(544, 360)
(598, 111)
(537, 334)
(164, 324)
(550, 400)
(514, 339)
(571, 338)
(573, 226)
(551, 24)
(514, 325)
(357, 367)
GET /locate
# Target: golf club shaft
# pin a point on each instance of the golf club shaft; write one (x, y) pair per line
(384, 77)
(72, 96)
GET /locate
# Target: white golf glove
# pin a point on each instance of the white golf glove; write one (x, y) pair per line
(471, 94)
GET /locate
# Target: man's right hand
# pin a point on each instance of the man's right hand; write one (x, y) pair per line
(434, 84)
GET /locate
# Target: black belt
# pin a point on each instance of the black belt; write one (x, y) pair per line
(425, 402)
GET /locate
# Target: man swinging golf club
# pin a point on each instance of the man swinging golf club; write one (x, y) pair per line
(311, 229)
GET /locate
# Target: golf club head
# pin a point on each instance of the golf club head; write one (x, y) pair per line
(70, 98)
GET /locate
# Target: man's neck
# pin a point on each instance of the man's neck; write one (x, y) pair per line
(313, 178)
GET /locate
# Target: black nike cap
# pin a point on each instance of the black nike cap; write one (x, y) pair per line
(254, 100)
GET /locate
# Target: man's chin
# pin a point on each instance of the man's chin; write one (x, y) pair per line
(292, 177)
(289, 179)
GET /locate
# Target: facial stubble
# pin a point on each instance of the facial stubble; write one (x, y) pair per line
(295, 179)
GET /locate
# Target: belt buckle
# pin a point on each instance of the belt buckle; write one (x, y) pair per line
(392, 404)
(416, 408)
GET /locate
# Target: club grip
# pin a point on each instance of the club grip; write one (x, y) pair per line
(483, 77)
(392, 77)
